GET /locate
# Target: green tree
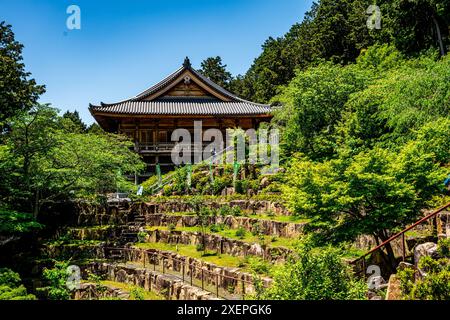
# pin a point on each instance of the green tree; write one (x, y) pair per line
(57, 277)
(75, 124)
(371, 193)
(44, 162)
(13, 225)
(416, 25)
(407, 95)
(202, 213)
(312, 106)
(216, 71)
(17, 92)
(337, 31)
(95, 129)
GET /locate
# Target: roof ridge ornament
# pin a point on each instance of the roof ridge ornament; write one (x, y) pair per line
(187, 62)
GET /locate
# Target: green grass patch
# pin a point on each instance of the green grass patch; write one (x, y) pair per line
(248, 264)
(288, 219)
(272, 241)
(223, 260)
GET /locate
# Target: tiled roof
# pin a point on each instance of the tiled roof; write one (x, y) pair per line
(140, 105)
(187, 107)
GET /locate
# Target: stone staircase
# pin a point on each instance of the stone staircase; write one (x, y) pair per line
(130, 231)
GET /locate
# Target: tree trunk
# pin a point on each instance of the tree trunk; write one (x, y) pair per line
(389, 257)
(439, 35)
(36, 204)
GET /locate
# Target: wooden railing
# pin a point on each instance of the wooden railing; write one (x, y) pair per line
(165, 147)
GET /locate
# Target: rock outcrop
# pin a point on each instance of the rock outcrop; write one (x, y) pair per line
(428, 249)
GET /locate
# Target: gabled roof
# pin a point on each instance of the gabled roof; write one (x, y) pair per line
(154, 101)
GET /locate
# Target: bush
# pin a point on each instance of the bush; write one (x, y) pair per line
(219, 184)
(57, 279)
(17, 223)
(236, 211)
(259, 266)
(406, 278)
(444, 248)
(240, 187)
(315, 275)
(149, 183)
(216, 228)
(11, 287)
(142, 236)
(256, 229)
(435, 285)
(241, 233)
(137, 294)
(225, 210)
(171, 227)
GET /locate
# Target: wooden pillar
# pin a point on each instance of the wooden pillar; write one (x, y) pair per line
(157, 133)
(136, 136)
(157, 141)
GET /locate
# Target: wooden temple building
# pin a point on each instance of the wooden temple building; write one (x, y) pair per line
(176, 102)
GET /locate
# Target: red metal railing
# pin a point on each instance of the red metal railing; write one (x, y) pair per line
(400, 234)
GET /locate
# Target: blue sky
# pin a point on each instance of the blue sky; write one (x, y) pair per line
(123, 47)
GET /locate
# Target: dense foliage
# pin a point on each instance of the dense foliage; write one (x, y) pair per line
(14, 224)
(336, 31)
(434, 283)
(44, 159)
(315, 275)
(367, 144)
(11, 287)
(57, 278)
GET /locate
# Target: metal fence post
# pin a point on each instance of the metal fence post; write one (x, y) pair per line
(217, 285)
(163, 265)
(243, 290)
(190, 267)
(182, 270)
(203, 286)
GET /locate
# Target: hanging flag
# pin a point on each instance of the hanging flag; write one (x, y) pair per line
(158, 172)
(189, 175)
(236, 168)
